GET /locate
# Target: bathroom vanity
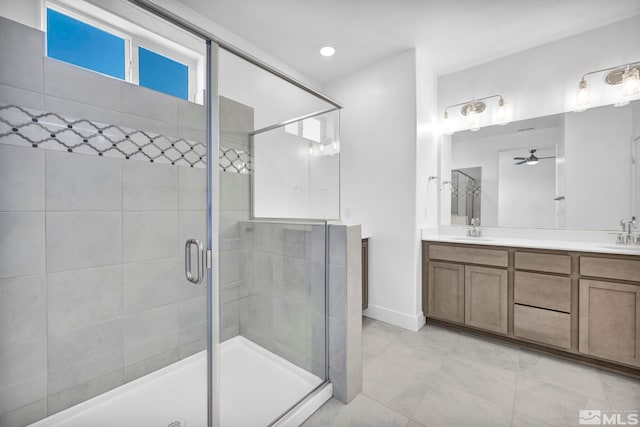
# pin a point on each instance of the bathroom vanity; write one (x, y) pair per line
(577, 300)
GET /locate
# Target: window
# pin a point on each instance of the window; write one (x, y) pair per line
(77, 43)
(162, 74)
(114, 46)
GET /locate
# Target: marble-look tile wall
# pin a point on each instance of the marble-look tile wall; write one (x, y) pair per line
(284, 307)
(236, 121)
(92, 289)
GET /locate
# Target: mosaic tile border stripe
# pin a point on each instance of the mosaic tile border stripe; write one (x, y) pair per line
(27, 127)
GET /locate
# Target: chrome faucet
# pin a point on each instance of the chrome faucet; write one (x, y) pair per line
(627, 237)
(474, 230)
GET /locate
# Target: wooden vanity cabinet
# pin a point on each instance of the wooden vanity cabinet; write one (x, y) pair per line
(585, 306)
(610, 309)
(468, 294)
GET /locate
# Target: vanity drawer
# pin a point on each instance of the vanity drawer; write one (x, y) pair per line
(549, 263)
(493, 257)
(544, 326)
(610, 268)
(543, 290)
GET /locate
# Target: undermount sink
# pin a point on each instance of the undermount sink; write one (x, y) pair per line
(473, 239)
(634, 248)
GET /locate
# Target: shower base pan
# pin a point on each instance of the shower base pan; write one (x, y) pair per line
(256, 386)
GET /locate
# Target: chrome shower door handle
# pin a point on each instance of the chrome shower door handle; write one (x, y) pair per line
(187, 261)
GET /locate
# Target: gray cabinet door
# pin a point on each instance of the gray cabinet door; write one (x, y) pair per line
(445, 296)
(610, 321)
(486, 298)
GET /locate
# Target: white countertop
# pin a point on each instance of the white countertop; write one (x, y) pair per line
(558, 245)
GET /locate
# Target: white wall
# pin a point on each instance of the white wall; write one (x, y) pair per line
(378, 171)
(526, 192)
(427, 164)
(598, 167)
(543, 80)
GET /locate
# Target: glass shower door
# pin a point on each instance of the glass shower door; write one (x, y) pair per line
(102, 181)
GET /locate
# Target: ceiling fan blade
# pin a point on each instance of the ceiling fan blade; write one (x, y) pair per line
(524, 161)
(552, 157)
(519, 158)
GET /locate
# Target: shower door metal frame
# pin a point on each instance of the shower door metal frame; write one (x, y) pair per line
(213, 232)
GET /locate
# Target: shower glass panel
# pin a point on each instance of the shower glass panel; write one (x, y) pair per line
(299, 169)
(272, 271)
(101, 183)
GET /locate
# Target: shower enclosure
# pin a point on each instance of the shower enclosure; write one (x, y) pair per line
(146, 277)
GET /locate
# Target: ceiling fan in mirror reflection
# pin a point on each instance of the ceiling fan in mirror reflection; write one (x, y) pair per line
(531, 159)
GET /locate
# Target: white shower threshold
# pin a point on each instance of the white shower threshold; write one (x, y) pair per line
(256, 385)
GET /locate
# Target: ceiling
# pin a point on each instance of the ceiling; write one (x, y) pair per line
(456, 33)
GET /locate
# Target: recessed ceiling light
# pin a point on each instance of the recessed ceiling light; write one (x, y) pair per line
(327, 51)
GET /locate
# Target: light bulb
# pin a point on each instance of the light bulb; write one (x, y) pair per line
(446, 124)
(532, 162)
(322, 148)
(311, 149)
(630, 81)
(473, 118)
(501, 113)
(336, 146)
(582, 95)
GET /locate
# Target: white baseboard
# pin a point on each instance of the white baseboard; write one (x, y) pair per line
(403, 320)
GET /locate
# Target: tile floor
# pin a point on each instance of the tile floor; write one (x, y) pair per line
(441, 377)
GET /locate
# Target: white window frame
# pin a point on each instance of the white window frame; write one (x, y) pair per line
(94, 23)
(191, 64)
(153, 42)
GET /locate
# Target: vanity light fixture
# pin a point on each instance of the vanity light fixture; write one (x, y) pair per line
(472, 111)
(626, 75)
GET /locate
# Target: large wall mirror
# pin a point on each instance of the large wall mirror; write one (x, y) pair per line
(572, 170)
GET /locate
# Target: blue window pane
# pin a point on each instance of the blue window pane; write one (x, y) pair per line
(77, 43)
(160, 73)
